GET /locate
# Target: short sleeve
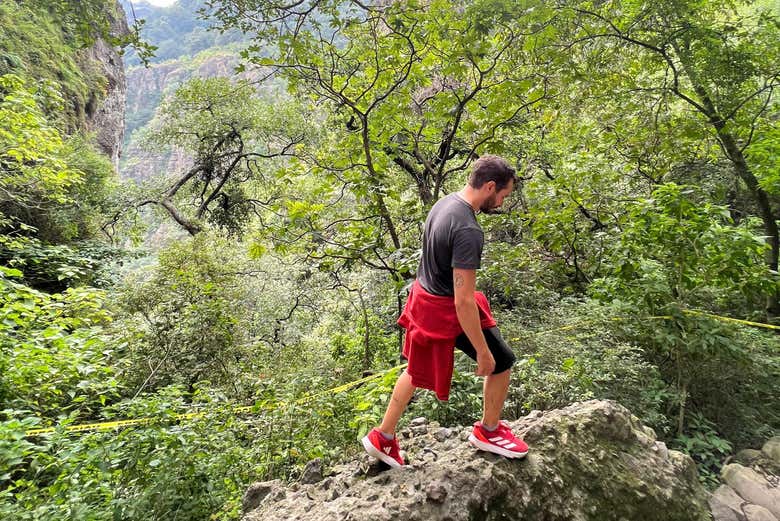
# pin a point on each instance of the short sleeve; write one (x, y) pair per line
(467, 248)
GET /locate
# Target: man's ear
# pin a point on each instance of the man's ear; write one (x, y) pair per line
(491, 186)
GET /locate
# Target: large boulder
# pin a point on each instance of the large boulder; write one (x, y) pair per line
(590, 461)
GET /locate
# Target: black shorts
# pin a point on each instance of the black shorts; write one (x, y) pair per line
(500, 350)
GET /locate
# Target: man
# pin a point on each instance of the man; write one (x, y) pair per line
(445, 310)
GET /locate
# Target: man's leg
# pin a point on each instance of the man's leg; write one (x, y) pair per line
(494, 389)
(486, 434)
(402, 394)
(381, 442)
(496, 385)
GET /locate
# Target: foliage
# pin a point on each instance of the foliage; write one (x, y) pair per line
(230, 133)
(575, 353)
(33, 44)
(304, 214)
(198, 468)
(33, 152)
(677, 252)
(57, 360)
(175, 31)
(674, 255)
(181, 321)
(52, 190)
(706, 447)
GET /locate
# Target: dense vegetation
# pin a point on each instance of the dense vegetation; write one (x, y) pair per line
(647, 138)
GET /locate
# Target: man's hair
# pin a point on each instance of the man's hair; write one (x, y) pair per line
(491, 168)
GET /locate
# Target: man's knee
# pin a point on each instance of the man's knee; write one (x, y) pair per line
(505, 363)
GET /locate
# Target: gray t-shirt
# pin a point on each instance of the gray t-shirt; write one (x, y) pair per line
(452, 239)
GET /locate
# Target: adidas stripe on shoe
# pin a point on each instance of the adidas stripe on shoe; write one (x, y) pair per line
(500, 441)
(383, 449)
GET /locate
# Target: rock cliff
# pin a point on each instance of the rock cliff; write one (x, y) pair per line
(590, 461)
(106, 114)
(146, 88)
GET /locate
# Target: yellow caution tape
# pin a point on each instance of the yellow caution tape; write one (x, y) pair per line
(729, 319)
(341, 388)
(104, 426)
(578, 325)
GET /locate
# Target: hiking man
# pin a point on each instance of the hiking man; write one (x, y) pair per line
(445, 310)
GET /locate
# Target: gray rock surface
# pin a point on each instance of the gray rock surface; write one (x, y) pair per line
(772, 449)
(312, 472)
(758, 513)
(752, 487)
(726, 505)
(589, 461)
(105, 115)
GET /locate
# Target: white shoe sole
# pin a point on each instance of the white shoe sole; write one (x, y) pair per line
(495, 449)
(376, 453)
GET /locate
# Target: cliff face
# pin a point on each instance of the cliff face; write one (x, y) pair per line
(590, 461)
(105, 112)
(147, 87)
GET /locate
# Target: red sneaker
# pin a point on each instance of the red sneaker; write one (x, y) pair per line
(383, 449)
(500, 441)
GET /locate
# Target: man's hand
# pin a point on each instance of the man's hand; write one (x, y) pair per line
(465, 282)
(486, 364)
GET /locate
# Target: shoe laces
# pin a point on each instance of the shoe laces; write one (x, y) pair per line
(394, 448)
(505, 429)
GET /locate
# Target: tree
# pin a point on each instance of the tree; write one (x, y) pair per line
(229, 132)
(717, 63)
(676, 254)
(413, 93)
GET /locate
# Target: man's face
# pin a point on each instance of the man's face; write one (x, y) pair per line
(496, 199)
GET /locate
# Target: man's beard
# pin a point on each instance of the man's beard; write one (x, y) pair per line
(489, 206)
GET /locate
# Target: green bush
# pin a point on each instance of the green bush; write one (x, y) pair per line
(577, 353)
(58, 359)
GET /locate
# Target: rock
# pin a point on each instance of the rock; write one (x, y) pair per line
(312, 472)
(772, 449)
(436, 491)
(661, 448)
(747, 457)
(257, 492)
(418, 421)
(752, 486)
(604, 472)
(105, 115)
(442, 434)
(726, 505)
(757, 513)
(419, 429)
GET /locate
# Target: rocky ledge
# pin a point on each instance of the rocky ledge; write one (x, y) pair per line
(589, 461)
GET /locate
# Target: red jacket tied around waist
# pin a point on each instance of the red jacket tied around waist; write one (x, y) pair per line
(432, 326)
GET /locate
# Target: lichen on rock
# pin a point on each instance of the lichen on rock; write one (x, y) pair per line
(589, 461)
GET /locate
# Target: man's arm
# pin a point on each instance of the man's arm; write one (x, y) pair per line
(465, 282)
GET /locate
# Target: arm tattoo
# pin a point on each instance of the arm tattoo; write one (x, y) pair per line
(458, 280)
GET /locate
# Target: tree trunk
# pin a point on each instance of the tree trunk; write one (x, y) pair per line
(741, 169)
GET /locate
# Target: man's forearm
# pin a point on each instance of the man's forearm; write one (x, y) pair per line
(468, 316)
